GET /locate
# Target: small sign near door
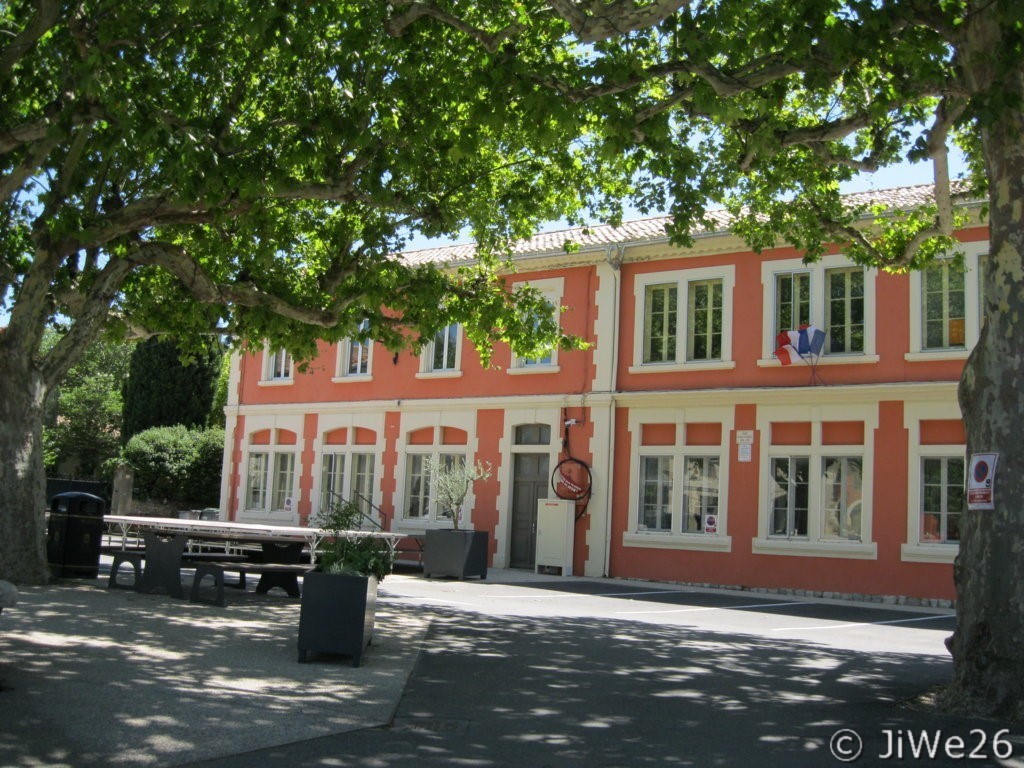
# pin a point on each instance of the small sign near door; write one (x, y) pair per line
(981, 481)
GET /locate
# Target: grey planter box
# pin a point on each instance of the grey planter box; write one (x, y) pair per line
(459, 554)
(336, 615)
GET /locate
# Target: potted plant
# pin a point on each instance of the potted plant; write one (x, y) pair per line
(455, 552)
(339, 597)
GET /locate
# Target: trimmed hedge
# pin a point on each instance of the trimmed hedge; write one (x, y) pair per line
(177, 464)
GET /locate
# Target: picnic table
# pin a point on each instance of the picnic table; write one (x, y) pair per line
(169, 544)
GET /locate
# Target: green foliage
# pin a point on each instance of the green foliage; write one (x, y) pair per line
(163, 389)
(83, 424)
(450, 482)
(346, 552)
(220, 392)
(177, 464)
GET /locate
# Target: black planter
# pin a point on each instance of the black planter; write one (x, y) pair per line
(459, 554)
(337, 614)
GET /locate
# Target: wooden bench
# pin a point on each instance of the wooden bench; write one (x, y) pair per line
(412, 546)
(131, 555)
(283, 575)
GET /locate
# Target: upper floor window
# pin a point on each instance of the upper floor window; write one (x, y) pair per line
(946, 310)
(684, 320)
(845, 311)
(547, 361)
(832, 294)
(354, 354)
(660, 323)
(441, 354)
(277, 366)
(792, 301)
(943, 306)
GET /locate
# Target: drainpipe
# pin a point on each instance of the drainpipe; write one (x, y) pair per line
(614, 255)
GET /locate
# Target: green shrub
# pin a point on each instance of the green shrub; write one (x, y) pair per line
(177, 464)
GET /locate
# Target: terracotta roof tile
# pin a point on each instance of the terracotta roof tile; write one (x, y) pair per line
(653, 229)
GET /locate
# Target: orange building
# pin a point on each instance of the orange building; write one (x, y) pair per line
(711, 461)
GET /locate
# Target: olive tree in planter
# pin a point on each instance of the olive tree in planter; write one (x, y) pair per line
(339, 598)
(455, 552)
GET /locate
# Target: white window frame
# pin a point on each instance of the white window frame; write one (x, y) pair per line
(552, 289)
(433, 455)
(914, 550)
(427, 369)
(973, 253)
(946, 511)
(348, 455)
(345, 348)
(818, 310)
(681, 279)
(271, 490)
(412, 422)
(675, 537)
(816, 543)
(274, 363)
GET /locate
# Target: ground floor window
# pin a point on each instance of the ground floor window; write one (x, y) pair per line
(270, 481)
(700, 494)
(790, 493)
(347, 477)
(420, 502)
(841, 503)
(942, 498)
(655, 493)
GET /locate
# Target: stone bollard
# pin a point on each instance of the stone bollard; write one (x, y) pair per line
(8, 595)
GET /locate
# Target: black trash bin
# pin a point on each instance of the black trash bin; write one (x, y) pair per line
(74, 534)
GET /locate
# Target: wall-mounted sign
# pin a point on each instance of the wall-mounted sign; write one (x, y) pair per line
(744, 437)
(744, 451)
(981, 481)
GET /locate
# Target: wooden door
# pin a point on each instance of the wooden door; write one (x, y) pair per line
(529, 484)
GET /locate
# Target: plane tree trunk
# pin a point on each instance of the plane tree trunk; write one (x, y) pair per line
(989, 571)
(22, 473)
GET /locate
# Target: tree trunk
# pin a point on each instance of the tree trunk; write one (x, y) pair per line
(22, 474)
(987, 651)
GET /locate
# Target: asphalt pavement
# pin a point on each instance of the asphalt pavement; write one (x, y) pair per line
(518, 670)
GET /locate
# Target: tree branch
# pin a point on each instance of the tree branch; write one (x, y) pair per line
(491, 41)
(92, 314)
(176, 261)
(45, 19)
(593, 21)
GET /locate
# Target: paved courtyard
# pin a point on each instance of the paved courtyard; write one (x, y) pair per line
(517, 670)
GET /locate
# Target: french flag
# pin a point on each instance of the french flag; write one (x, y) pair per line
(805, 344)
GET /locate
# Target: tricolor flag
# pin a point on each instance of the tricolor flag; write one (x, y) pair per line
(805, 344)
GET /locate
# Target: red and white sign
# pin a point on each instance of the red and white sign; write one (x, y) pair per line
(981, 481)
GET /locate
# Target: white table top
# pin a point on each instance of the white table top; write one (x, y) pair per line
(232, 530)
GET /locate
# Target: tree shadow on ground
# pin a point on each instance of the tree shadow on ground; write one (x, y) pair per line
(520, 691)
(92, 676)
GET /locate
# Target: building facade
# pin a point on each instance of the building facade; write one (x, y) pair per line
(711, 462)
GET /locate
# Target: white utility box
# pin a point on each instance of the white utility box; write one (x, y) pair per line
(556, 522)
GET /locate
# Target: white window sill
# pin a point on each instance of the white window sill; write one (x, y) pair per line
(527, 369)
(276, 382)
(929, 553)
(937, 354)
(439, 375)
(855, 550)
(352, 379)
(773, 362)
(707, 542)
(716, 365)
